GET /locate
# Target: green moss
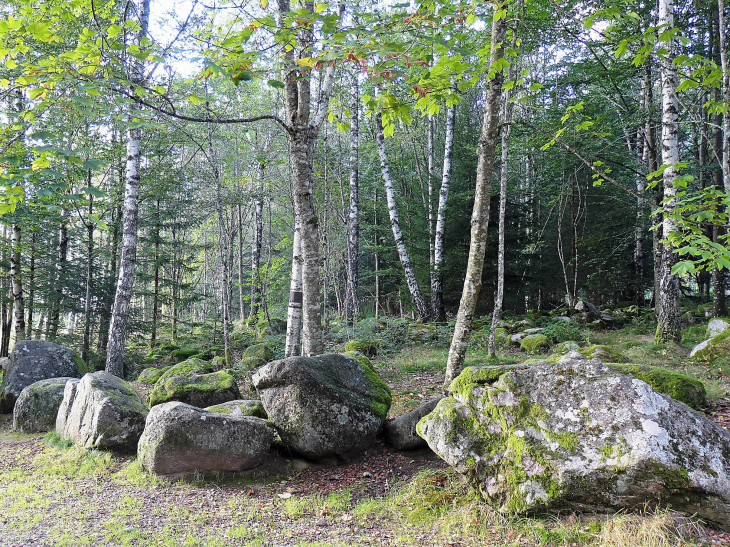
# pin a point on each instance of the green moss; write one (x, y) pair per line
(80, 364)
(184, 353)
(179, 388)
(383, 396)
(472, 377)
(363, 360)
(187, 367)
(260, 351)
(419, 331)
(604, 353)
(678, 386)
(534, 343)
(150, 376)
(368, 348)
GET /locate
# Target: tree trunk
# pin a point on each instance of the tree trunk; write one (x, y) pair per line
(639, 227)
(668, 314)
(31, 286)
(55, 312)
(400, 244)
(106, 311)
(128, 259)
(353, 258)
(294, 314)
(437, 286)
(241, 306)
(258, 235)
(18, 307)
(156, 281)
(89, 280)
(223, 248)
(480, 215)
(503, 176)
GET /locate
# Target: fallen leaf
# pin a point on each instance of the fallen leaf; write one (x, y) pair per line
(285, 495)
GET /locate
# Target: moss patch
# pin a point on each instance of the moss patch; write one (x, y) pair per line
(184, 353)
(368, 348)
(187, 367)
(534, 343)
(80, 364)
(678, 386)
(362, 359)
(602, 352)
(150, 376)
(194, 388)
(472, 377)
(260, 351)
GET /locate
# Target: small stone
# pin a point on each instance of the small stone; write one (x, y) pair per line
(322, 521)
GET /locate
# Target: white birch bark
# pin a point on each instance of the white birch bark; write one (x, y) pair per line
(725, 96)
(294, 313)
(437, 300)
(503, 176)
(480, 215)
(128, 259)
(400, 243)
(668, 316)
(353, 253)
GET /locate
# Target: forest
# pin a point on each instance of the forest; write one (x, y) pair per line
(436, 272)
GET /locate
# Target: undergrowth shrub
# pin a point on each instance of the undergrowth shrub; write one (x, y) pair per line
(562, 331)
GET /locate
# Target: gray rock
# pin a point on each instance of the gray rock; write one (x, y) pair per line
(179, 439)
(533, 330)
(517, 338)
(717, 326)
(34, 360)
(572, 355)
(37, 406)
(581, 436)
(563, 318)
(241, 407)
(699, 349)
(101, 411)
(4, 363)
(323, 407)
(400, 433)
(586, 307)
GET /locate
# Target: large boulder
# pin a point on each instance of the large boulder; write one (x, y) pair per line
(323, 407)
(192, 365)
(101, 411)
(581, 436)
(37, 406)
(179, 439)
(199, 390)
(34, 360)
(400, 433)
(150, 375)
(586, 307)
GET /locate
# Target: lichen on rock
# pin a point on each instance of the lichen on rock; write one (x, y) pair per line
(199, 390)
(577, 436)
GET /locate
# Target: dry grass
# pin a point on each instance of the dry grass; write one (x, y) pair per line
(660, 529)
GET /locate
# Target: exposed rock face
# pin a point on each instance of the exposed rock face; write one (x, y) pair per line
(241, 407)
(586, 307)
(192, 365)
(199, 390)
(323, 407)
(717, 326)
(259, 351)
(34, 360)
(580, 436)
(101, 411)
(37, 406)
(179, 438)
(400, 433)
(534, 343)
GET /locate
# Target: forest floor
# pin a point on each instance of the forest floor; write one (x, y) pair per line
(52, 494)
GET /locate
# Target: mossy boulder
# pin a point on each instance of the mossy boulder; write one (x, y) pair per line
(677, 385)
(199, 390)
(400, 433)
(101, 411)
(241, 407)
(604, 353)
(260, 351)
(577, 435)
(361, 358)
(324, 407)
(37, 406)
(369, 348)
(34, 360)
(564, 347)
(712, 348)
(180, 439)
(189, 366)
(272, 327)
(182, 354)
(717, 326)
(150, 375)
(421, 332)
(534, 343)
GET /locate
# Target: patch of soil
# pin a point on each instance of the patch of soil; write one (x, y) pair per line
(719, 412)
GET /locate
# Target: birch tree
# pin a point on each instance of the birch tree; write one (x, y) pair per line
(668, 314)
(480, 215)
(352, 304)
(128, 258)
